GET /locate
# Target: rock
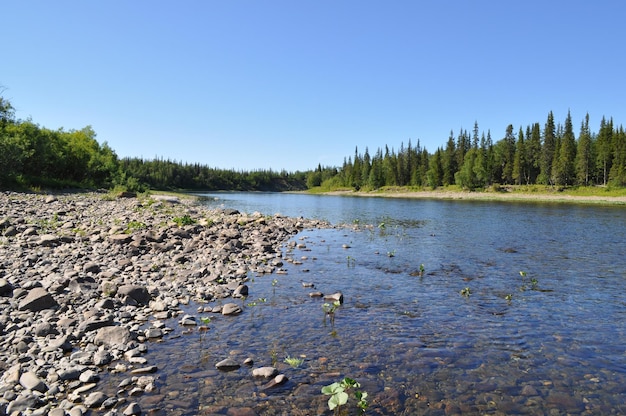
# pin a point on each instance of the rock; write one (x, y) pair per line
(231, 309)
(240, 291)
(121, 238)
(112, 335)
(94, 400)
(89, 376)
(138, 293)
(145, 370)
(335, 297)
(529, 390)
(266, 372)
(49, 240)
(91, 267)
(132, 409)
(276, 381)
(153, 333)
(227, 364)
(30, 381)
(45, 328)
(36, 300)
(5, 287)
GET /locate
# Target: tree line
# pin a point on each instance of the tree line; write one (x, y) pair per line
(552, 154)
(34, 156)
(548, 155)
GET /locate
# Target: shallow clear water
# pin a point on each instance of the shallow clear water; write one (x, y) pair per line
(415, 343)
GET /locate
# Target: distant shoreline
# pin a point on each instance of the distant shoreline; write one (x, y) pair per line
(487, 196)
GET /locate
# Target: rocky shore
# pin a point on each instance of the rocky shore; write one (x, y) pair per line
(87, 279)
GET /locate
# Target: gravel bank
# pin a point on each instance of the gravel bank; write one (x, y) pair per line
(86, 280)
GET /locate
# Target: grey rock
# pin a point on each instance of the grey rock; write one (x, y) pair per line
(266, 372)
(231, 309)
(136, 292)
(132, 409)
(227, 364)
(5, 287)
(94, 399)
(36, 300)
(30, 381)
(113, 335)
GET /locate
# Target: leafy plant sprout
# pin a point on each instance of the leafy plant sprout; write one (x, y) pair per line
(294, 362)
(329, 310)
(351, 261)
(533, 282)
(466, 292)
(339, 395)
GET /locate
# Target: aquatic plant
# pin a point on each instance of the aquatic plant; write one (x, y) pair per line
(329, 310)
(466, 292)
(532, 281)
(294, 362)
(351, 261)
(339, 394)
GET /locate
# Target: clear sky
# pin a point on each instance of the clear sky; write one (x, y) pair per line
(289, 84)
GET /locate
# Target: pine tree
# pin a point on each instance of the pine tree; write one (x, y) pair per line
(565, 169)
(519, 162)
(449, 161)
(584, 154)
(604, 150)
(547, 151)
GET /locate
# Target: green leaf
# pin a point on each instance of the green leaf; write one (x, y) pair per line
(332, 388)
(338, 399)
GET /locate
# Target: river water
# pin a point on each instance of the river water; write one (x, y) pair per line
(520, 309)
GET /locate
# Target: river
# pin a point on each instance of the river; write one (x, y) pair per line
(450, 307)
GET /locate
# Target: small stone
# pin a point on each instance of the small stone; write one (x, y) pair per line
(266, 372)
(227, 364)
(95, 399)
(132, 409)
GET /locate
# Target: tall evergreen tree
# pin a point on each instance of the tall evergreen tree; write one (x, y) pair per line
(565, 167)
(604, 150)
(449, 161)
(519, 162)
(547, 150)
(584, 155)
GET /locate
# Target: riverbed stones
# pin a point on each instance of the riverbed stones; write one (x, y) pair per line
(85, 278)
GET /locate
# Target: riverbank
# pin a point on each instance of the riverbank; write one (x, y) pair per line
(506, 195)
(88, 281)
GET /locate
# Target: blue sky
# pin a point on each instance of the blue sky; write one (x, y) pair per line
(290, 84)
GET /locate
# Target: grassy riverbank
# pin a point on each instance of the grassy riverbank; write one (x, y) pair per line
(582, 195)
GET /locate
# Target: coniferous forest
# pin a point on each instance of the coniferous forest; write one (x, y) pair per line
(549, 153)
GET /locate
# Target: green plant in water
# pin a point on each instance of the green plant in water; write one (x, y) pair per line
(329, 310)
(351, 261)
(466, 292)
(508, 297)
(294, 362)
(533, 282)
(205, 320)
(275, 282)
(339, 394)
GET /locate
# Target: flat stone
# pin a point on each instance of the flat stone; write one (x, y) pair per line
(37, 299)
(227, 364)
